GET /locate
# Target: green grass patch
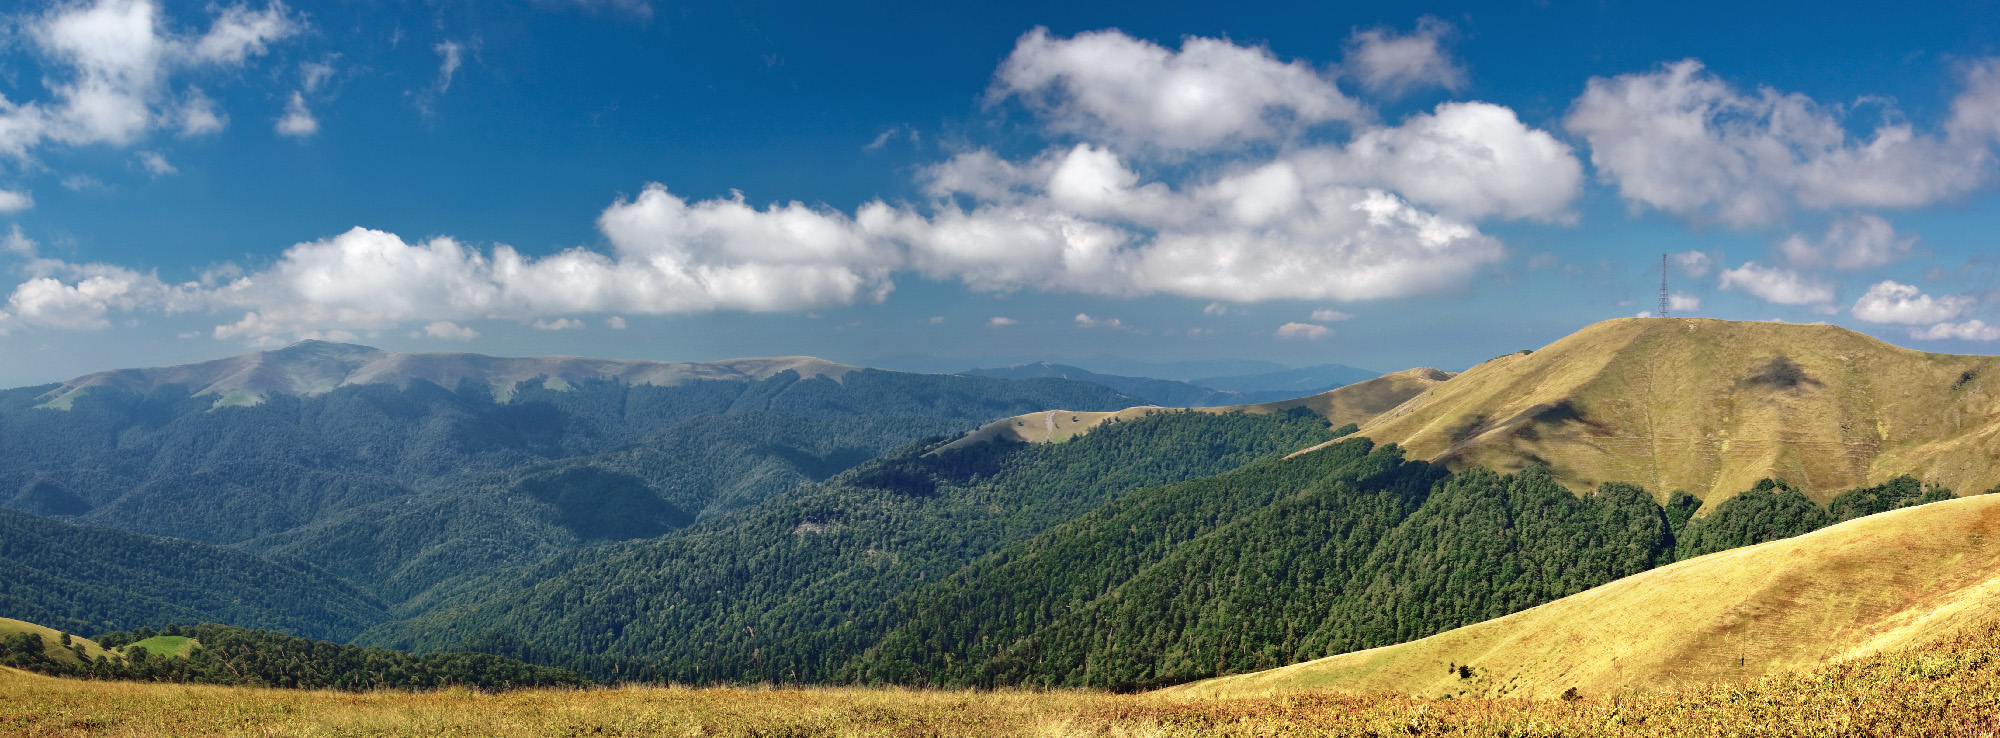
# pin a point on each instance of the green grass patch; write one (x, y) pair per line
(171, 646)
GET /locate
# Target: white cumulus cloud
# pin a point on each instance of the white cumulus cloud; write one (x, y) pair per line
(1392, 63)
(449, 331)
(1852, 243)
(1971, 330)
(107, 68)
(84, 296)
(1112, 87)
(17, 242)
(14, 201)
(559, 324)
(1468, 159)
(1336, 214)
(1891, 302)
(998, 321)
(1681, 302)
(1081, 220)
(1305, 331)
(1695, 263)
(156, 164)
(298, 121)
(1331, 316)
(1684, 141)
(1083, 320)
(1777, 285)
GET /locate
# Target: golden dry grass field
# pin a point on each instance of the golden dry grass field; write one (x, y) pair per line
(1946, 688)
(1712, 406)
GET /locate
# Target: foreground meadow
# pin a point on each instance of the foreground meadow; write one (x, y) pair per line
(1946, 688)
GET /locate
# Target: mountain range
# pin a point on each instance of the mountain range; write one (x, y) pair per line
(799, 521)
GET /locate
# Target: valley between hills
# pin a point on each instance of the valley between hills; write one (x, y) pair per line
(1649, 527)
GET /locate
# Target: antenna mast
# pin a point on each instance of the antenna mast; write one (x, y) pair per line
(1663, 285)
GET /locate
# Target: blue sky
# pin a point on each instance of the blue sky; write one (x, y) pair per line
(1384, 185)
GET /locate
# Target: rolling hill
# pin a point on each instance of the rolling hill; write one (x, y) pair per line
(1710, 407)
(90, 580)
(782, 591)
(1873, 584)
(1355, 403)
(80, 651)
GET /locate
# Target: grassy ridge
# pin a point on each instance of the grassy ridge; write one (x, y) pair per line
(1948, 687)
(1865, 586)
(52, 645)
(1710, 407)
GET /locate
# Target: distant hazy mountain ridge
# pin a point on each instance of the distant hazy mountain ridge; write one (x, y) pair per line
(1210, 392)
(317, 367)
(400, 472)
(1355, 403)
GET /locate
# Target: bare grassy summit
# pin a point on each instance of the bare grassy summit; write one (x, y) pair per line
(1712, 406)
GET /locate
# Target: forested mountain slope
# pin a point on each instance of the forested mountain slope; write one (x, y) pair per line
(1869, 585)
(403, 549)
(1347, 548)
(782, 591)
(1711, 406)
(336, 428)
(89, 580)
(955, 569)
(222, 654)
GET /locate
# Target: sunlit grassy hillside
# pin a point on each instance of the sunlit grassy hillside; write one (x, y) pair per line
(1872, 584)
(52, 641)
(1354, 403)
(1947, 688)
(1712, 406)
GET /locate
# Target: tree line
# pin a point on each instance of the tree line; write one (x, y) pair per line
(258, 658)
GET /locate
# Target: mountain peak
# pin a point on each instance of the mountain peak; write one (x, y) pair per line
(1710, 407)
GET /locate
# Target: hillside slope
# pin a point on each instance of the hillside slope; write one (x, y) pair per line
(1355, 403)
(81, 650)
(1711, 406)
(782, 591)
(91, 580)
(1866, 586)
(165, 452)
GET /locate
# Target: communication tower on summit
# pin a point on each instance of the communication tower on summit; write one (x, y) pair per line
(1663, 285)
